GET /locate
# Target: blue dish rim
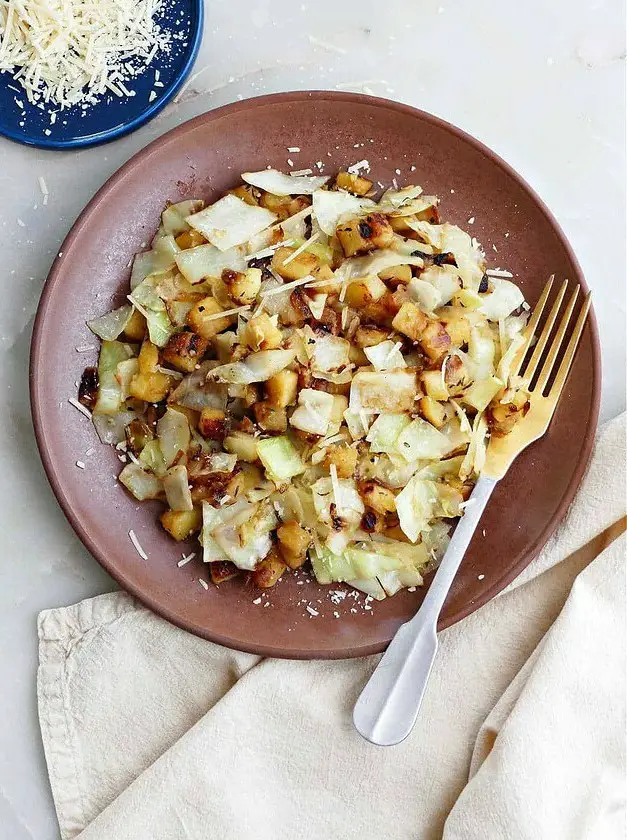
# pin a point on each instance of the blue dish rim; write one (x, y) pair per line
(112, 134)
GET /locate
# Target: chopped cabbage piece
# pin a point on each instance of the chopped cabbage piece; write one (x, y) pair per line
(109, 398)
(176, 486)
(385, 356)
(152, 458)
(173, 217)
(280, 459)
(142, 484)
(383, 391)
(384, 432)
(330, 206)
(196, 264)
(415, 506)
(258, 367)
(505, 298)
(278, 183)
(230, 222)
(109, 326)
(314, 411)
(421, 440)
(174, 435)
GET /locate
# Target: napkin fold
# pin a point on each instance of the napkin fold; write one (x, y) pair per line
(151, 733)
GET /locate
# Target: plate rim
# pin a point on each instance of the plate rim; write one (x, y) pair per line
(35, 361)
(128, 127)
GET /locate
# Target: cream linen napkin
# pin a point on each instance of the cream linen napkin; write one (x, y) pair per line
(150, 733)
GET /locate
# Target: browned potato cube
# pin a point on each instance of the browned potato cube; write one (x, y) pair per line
(296, 268)
(190, 239)
(377, 497)
(244, 480)
(396, 275)
(372, 522)
(242, 287)
(356, 184)
(502, 417)
(270, 419)
(294, 537)
(148, 358)
(429, 214)
(150, 387)
(344, 457)
(279, 204)
(432, 411)
(261, 333)
(281, 388)
(135, 330)
(434, 385)
(411, 321)
(181, 524)
(184, 351)
(399, 225)
(268, 571)
(222, 570)
(457, 326)
(358, 236)
(435, 340)
(247, 193)
(201, 319)
(212, 423)
(456, 376)
(367, 336)
(243, 445)
(364, 290)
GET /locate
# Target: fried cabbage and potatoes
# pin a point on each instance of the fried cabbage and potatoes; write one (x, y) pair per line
(306, 374)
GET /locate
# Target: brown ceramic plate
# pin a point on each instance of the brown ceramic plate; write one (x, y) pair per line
(202, 158)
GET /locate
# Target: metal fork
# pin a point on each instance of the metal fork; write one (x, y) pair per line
(388, 706)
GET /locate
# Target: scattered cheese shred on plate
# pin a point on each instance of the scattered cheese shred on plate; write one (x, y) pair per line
(136, 544)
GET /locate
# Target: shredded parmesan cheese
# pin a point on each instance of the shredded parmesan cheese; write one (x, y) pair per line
(70, 52)
(302, 248)
(286, 287)
(499, 272)
(226, 312)
(80, 407)
(137, 546)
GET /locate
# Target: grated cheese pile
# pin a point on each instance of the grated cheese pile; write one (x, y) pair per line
(69, 52)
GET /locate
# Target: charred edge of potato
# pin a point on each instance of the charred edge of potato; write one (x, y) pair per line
(222, 570)
(184, 351)
(359, 236)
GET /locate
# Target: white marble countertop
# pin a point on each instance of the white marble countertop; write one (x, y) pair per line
(541, 83)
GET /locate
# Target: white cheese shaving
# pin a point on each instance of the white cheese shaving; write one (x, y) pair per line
(186, 558)
(286, 287)
(203, 583)
(226, 312)
(293, 149)
(302, 248)
(137, 545)
(498, 272)
(297, 173)
(80, 407)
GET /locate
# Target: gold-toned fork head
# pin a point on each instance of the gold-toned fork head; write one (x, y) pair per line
(543, 374)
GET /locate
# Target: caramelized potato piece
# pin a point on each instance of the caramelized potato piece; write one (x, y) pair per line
(201, 322)
(359, 236)
(456, 376)
(502, 417)
(297, 268)
(148, 358)
(184, 351)
(270, 419)
(190, 239)
(367, 336)
(396, 275)
(212, 423)
(242, 287)
(432, 411)
(364, 290)
(293, 538)
(356, 184)
(222, 570)
(377, 497)
(181, 524)
(411, 321)
(135, 330)
(268, 571)
(247, 193)
(344, 457)
(281, 389)
(243, 445)
(435, 340)
(150, 387)
(261, 333)
(434, 385)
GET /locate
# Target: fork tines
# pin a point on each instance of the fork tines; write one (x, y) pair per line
(555, 352)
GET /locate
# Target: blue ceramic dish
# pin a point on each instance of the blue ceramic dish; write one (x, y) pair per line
(111, 117)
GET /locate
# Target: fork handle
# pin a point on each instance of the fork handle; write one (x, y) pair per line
(388, 705)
